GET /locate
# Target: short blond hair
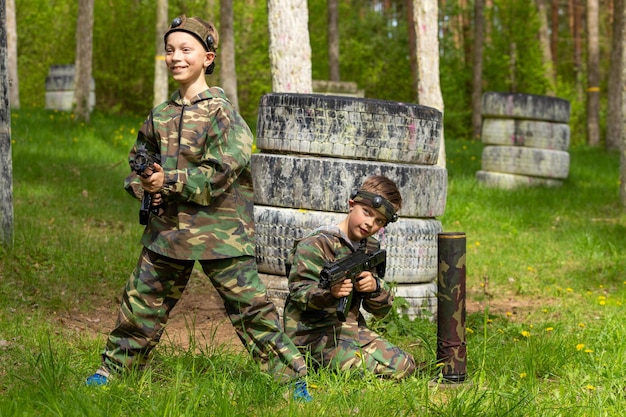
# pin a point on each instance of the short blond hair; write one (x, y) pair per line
(384, 187)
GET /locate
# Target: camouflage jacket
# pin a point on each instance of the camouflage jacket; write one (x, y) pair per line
(205, 148)
(311, 312)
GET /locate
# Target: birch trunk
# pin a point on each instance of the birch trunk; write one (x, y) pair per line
(160, 89)
(289, 46)
(84, 52)
(425, 20)
(6, 165)
(11, 28)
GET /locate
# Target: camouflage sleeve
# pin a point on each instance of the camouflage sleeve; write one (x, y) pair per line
(307, 260)
(226, 155)
(379, 305)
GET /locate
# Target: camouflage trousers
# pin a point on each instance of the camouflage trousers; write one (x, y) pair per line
(156, 285)
(369, 352)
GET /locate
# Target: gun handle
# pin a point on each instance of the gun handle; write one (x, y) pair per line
(344, 307)
(144, 211)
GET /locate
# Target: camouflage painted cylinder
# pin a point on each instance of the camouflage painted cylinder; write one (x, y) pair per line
(451, 345)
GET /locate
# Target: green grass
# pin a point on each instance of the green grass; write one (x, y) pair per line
(544, 277)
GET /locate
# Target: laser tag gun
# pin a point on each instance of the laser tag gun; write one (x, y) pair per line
(145, 160)
(351, 267)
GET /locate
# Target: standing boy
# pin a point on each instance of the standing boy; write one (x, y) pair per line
(202, 188)
(310, 314)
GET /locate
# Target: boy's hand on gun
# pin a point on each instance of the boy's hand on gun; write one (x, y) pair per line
(152, 179)
(365, 282)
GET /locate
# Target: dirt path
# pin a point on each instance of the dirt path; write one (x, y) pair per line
(200, 316)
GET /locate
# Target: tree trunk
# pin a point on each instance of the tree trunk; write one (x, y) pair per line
(554, 32)
(11, 28)
(576, 10)
(544, 40)
(616, 78)
(621, 12)
(160, 88)
(289, 46)
(333, 41)
(412, 47)
(425, 20)
(6, 164)
(477, 76)
(593, 74)
(84, 50)
(228, 69)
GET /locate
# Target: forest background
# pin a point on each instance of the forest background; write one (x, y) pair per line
(374, 52)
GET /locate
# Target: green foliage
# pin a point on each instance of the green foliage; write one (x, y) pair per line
(373, 48)
(513, 60)
(45, 33)
(374, 53)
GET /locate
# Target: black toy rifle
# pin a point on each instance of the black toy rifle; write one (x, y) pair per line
(145, 160)
(351, 267)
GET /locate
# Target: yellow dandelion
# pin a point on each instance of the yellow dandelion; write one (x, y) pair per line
(568, 289)
(489, 321)
(477, 243)
(549, 329)
(602, 302)
(580, 346)
(590, 387)
(522, 375)
(509, 314)
(581, 325)
(530, 268)
(545, 310)
(525, 333)
(588, 350)
(469, 330)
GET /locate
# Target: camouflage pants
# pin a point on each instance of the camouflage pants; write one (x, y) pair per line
(369, 352)
(156, 285)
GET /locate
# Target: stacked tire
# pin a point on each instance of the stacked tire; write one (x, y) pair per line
(527, 139)
(316, 149)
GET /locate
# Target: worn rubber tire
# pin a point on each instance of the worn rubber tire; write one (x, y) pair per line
(349, 127)
(411, 244)
(324, 184)
(513, 181)
(528, 133)
(532, 162)
(525, 106)
(422, 299)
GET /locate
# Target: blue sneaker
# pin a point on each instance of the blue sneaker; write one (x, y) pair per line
(301, 393)
(97, 379)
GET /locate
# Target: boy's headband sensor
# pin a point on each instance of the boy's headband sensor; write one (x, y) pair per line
(376, 201)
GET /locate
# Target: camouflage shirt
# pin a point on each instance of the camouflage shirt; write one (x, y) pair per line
(311, 312)
(205, 149)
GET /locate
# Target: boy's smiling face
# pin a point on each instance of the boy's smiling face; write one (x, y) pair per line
(186, 57)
